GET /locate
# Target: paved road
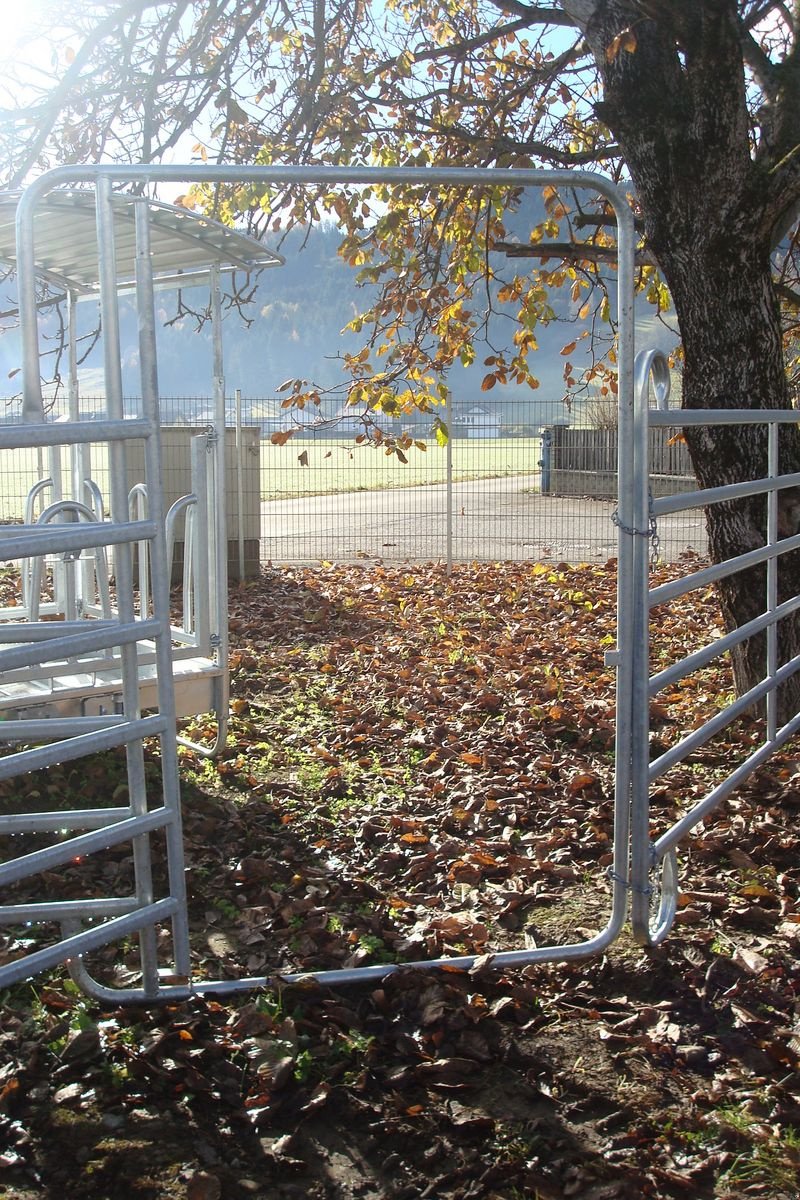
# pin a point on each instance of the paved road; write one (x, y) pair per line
(492, 519)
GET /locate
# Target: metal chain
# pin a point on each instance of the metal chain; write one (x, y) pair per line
(615, 877)
(651, 533)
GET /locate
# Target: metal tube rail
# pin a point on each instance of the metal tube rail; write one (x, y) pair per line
(103, 176)
(673, 836)
(663, 505)
(345, 976)
(716, 724)
(27, 437)
(61, 910)
(60, 539)
(46, 631)
(48, 729)
(75, 644)
(701, 658)
(49, 822)
(85, 843)
(689, 583)
(683, 417)
(80, 746)
(91, 939)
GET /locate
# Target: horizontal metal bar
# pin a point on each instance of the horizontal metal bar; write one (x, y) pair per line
(716, 724)
(106, 637)
(63, 910)
(36, 540)
(49, 822)
(78, 747)
(82, 943)
(683, 417)
(424, 177)
(700, 811)
(663, 505)
(45, 631)
(71, 433)
(701, 658)
(708, 575)
(569, 952)
(85, 843)
(48, 729)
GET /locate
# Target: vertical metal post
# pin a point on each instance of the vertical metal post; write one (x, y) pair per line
(145, 306)
(629, 633)
(650, 368)
(545, 462)
(32, 402)
(79, 453)
(123, 556)
(239, 483)
(449, 488)
(220, 567)
(196, 547)
(772, 577)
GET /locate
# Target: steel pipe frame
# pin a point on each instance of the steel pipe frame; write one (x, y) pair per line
(659, 857)
(629, 619)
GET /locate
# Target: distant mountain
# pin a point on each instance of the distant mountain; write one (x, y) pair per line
(296, 329)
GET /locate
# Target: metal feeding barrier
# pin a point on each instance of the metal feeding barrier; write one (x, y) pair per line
(58, 930)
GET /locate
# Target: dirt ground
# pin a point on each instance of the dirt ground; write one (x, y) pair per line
(421, 766)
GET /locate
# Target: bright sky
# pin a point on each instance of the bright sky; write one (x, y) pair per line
(18, 21)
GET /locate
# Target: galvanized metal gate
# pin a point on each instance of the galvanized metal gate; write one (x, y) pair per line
(82, 925)
(654, 869)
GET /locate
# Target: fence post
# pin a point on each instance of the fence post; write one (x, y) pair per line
(545, 461)
(239, 483)
(449, 459)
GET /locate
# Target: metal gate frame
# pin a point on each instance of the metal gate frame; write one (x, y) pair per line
(175, 983)
(654, 868)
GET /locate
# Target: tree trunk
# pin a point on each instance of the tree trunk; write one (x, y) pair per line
(738, 363)
(682, 123)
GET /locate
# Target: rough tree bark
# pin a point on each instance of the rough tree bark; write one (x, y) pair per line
(677, 104)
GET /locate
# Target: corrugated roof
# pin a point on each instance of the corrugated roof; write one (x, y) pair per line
(184, 245)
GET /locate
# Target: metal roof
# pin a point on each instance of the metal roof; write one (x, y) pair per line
(184, 245)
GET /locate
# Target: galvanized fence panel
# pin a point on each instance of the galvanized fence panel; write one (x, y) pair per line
(653, 880)
(484, 497)
(77, 935)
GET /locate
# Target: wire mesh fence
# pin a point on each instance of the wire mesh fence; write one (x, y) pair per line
(511, 483)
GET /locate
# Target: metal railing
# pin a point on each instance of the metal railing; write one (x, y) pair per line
(636, 519)
(489, 494)
(654, 871)
(138, 824)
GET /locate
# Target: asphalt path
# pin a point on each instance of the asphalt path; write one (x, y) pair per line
(493, 519)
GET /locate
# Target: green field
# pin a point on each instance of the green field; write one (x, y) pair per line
(333, 465)
(309, 467)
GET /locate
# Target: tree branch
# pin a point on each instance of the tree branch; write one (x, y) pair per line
(56, 99)
(787, 294)
(536, 14)
(572, 251)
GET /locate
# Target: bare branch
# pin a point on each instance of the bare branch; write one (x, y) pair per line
(57, 98)
(536, 14)
(570, 251)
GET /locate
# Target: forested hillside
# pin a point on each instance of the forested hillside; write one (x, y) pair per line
(295, 326)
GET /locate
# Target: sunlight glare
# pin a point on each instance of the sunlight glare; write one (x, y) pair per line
(26, 29)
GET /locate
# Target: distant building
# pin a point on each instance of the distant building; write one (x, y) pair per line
(267, 414)
(352, 419)
(479, 422)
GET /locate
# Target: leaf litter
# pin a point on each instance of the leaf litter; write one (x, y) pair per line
(422, 766)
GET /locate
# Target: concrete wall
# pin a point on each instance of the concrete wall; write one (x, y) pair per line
(176, 466)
